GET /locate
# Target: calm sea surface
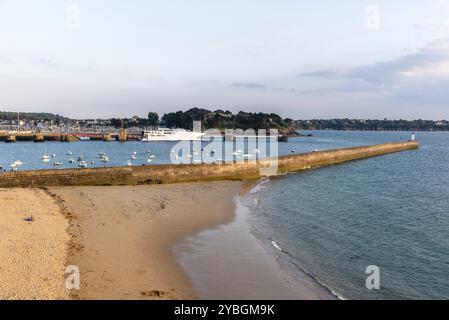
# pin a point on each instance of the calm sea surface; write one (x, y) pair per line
(333, 222)
(390, 211)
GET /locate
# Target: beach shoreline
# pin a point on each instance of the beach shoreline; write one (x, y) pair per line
(132, 242)
(122, 237)
(245, 268)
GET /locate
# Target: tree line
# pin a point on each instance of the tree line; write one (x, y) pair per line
(373, 125)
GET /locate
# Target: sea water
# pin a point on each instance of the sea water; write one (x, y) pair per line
(390, 211)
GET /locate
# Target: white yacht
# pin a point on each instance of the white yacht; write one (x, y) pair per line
(165, 134)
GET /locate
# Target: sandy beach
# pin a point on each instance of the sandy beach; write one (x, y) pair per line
(128, 242)
(122, 237)
(32, 253)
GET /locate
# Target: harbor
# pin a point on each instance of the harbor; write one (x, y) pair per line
(37, 136)
(169, 173)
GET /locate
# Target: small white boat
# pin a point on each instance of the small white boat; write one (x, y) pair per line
(133, 157)
(13, 167)
(247, 156)
(104, 159)
(82, 164)
(57, 164)
(102, 154)
(53, 155)
(69, 153)
(71, 160)
(18, 163)
(92, 163)
(129, 163)
(152, 156)
(149, 160)
(46, 157)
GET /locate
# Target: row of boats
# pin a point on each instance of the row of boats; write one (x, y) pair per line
(81, 160)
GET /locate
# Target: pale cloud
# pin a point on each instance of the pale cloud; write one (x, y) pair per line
(431, 60)
(420, 77)
(248, 85)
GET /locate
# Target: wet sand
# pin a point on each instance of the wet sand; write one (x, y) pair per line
(32, 253)
(123, 236)
(229, 262)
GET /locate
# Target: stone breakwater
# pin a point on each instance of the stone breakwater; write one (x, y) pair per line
(162, 174)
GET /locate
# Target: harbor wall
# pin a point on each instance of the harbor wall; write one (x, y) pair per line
(162, 174)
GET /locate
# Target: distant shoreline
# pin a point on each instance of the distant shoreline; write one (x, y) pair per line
(359, 130)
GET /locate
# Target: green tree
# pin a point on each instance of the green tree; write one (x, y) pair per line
(153, 119)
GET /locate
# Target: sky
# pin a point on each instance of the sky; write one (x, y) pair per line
(300, 59)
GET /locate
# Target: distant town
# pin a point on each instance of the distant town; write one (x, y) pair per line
(219, 119)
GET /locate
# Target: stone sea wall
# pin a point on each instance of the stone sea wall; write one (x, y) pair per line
(161, 174)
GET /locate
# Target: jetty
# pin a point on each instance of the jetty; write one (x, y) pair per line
(120, 135)
(162, 174)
